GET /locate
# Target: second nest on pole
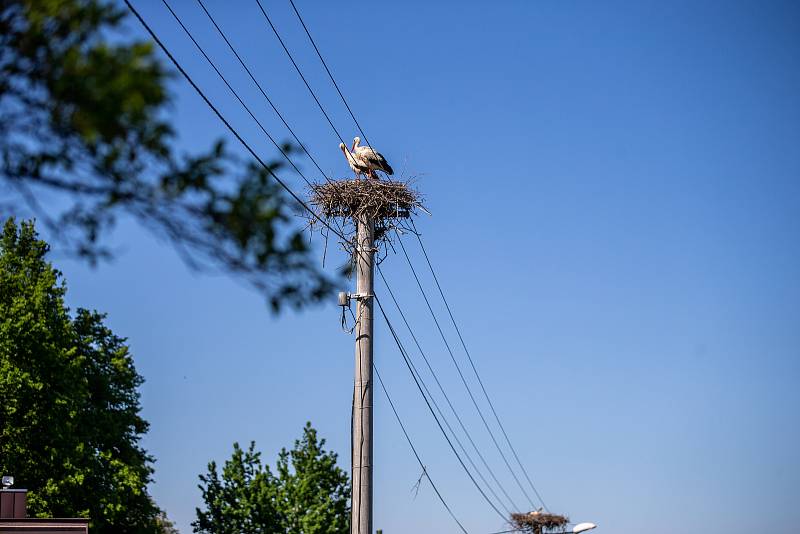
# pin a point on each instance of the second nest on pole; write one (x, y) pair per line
(539, 522)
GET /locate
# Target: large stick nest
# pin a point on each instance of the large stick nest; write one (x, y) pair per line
(390, 204)
(377, 199)
(538, 521)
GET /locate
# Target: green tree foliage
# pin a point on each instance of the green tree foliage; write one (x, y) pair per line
(308, 493)
(82, 118)
(69, 402)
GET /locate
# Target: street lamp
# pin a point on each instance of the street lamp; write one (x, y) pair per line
(583, 527)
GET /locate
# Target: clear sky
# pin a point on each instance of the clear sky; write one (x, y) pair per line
(615, 190)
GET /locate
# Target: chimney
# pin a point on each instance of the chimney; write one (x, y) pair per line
(12, 501)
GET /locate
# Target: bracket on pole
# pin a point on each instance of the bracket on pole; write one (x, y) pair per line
(344, 298)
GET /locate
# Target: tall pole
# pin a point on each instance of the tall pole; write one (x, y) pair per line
(361, 512)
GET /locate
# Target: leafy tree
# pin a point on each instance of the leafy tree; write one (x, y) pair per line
(69, 401)
(308, 494)
(243, 500)
(165, 526)
(82, 119)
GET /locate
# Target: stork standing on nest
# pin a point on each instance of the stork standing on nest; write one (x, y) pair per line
(365, 160)
(356, 164)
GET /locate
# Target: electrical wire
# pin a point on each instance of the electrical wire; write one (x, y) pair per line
(233, 91)
(330, 75)
(297, 68)
(244, 143)
(361, 130)
(458, 368)
(344, 100)
(414, 450)
(252, 115)
(417, 381)
(227, 124)
(474, 369)
(455, 437)
(299, 200)
(261, 89)
(259, 86)
(450, 404)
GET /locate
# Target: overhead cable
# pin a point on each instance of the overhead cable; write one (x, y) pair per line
(227, 124)
(297, 68)
(450, 404)
(252, 152)
(363, 133)
(260, 87)
(233, 91)
(414, 450)
(330, 75)
(475, 370)
(417, 381)
(458, 368)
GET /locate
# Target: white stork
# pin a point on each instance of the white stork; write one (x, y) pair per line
(371, 159)
(355, 163)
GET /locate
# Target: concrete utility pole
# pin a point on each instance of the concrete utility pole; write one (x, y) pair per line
(366, 203)
(361, 513)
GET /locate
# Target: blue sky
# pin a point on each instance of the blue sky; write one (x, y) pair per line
(615, 190)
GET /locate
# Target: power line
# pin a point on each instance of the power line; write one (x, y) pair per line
(474, 369)
(245, 106)
(230, 88)
(340, 232)
(227, 124)
(414, 450)
(361, 130)
(417, 381)
(458, 368)
(232, 48)
(260, 88)
(452, 407)
(330, 75)
(322, 109)
(252, 153)
(300, 201)
(297, 68)
(455, 436)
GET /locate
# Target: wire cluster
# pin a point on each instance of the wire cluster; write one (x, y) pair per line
(333, 207)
